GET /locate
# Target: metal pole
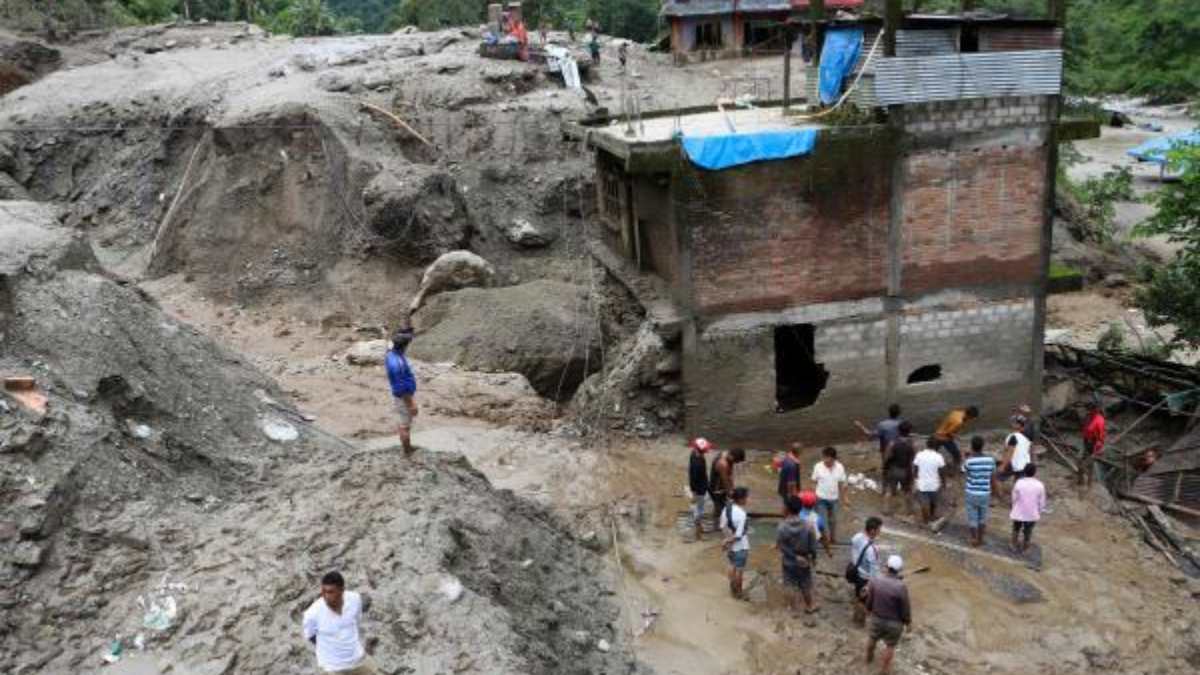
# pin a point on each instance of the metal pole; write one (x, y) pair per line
(893, 14)
(787, 72)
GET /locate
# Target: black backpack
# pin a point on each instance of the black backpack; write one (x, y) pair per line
(852, 568)
(729, 521)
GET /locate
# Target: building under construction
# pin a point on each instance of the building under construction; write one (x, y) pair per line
(888, 242)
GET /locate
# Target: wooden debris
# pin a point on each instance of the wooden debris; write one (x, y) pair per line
(20, 383)
(1153, 540)
(1154, 502)
(395, 120)
(1061, 455)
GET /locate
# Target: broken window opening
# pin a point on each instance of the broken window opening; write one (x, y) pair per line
(799, 378)
(927, 373)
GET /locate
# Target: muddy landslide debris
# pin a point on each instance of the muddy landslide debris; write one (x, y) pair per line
(165, 467)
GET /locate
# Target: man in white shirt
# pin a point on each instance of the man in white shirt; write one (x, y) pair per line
(331, 624)
(830, 478)
(737, 539)
(864, 555)
(1018, 451)
(929, 464)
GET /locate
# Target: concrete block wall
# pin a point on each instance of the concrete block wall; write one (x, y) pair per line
(729, 375)
(986, 349)
(979, 114)
(986, 344)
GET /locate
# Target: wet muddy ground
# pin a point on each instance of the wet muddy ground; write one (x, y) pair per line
(1100, 598)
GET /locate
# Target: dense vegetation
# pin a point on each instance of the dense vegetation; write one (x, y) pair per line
(1148, 48)
(1172, 294)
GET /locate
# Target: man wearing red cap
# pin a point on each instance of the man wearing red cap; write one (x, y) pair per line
(812, 516)
(698, 482)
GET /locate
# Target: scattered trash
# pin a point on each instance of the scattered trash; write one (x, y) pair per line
(159, 608)
(527, 563)
(451, 588)
(861, 482)
(113, 653)
(649, 616)
(142, 431)
(24, 390)
(603, 645)
(279, 431)
(139, 642)
(159, 613)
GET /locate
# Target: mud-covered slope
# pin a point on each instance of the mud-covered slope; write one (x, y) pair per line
(162, 466)
(250, 162)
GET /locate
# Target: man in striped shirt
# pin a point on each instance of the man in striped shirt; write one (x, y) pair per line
(980, 470)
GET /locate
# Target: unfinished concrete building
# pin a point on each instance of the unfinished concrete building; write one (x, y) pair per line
(902, 258)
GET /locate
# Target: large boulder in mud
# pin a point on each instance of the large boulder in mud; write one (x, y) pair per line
(544, 330)
(451, 271)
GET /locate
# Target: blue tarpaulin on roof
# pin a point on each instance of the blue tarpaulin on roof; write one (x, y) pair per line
(838, 57)
(722, 152)
(1156, 149)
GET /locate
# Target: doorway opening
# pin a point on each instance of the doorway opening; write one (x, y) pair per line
(799, 378)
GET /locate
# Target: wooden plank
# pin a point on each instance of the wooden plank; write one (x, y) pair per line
(1149, 500)
(20, 383)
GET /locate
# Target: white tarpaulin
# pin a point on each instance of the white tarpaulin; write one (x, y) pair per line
(560, 60)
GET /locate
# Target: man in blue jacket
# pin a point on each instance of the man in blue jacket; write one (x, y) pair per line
(404, 385)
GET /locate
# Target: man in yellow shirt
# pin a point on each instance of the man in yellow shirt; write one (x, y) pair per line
(946, 438)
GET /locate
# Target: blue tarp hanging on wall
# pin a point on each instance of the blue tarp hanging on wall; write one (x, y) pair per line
(721, 152)
(1156, 149)
(838, 57)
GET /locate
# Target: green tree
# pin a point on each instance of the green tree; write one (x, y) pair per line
(434, 14)
(1148, 48)
(1173, 293)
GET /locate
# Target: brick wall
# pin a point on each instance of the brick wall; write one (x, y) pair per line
(972, 216)
(793, 232)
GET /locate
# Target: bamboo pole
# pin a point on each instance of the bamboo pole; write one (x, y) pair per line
(396, 120)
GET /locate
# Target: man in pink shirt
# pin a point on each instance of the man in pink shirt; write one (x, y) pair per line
(1028, 502)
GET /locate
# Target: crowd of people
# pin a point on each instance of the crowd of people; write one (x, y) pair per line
(927, 477)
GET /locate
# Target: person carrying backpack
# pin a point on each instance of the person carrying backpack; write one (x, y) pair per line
(863, 564)
(796, 538)
(736, 544)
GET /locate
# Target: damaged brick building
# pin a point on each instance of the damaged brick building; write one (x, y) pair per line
(901, 259)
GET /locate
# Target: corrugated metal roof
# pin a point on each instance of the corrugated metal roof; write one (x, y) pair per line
(829, 4)
(764, 5)
(901, 80)
(927, 42)
(1183, 455)
(696, 7)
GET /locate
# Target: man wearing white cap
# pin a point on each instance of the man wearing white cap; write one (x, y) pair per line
(891, 614)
